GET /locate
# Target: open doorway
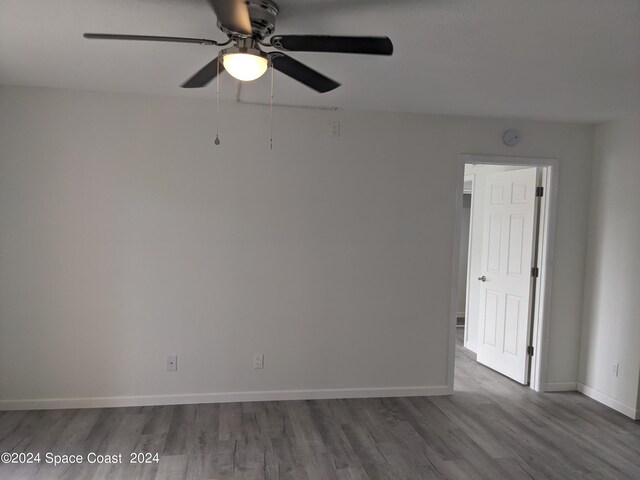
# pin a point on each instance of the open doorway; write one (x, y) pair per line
(505, 214)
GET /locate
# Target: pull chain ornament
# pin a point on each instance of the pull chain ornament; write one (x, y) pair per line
(217, 139)
(271, 113)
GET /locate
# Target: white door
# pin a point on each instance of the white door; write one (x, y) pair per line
(506, 282)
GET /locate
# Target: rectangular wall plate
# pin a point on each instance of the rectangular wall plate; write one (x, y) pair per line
(258, 360)
(172, 363)
(334, 129)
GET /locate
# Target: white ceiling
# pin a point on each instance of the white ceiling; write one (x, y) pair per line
(575, 60)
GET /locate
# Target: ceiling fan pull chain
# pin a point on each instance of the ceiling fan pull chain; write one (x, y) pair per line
(217, 140)
(271, 113)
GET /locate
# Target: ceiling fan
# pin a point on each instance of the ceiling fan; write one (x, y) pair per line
(247, 24)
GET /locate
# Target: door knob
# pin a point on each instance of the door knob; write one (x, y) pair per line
(482, 278)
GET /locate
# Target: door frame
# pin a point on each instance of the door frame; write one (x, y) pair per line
(546, 241)
(468, 178)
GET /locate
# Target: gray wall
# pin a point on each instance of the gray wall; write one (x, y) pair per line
(611, 327)
(126, 236)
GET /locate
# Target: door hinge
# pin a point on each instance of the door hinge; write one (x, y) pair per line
(539, 191)
(530, 350)
(535, 272)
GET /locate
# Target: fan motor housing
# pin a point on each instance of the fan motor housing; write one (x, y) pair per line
(262, 14)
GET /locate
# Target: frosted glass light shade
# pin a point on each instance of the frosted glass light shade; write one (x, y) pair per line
(245, 66)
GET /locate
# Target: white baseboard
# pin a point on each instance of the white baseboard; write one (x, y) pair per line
(609, 401)
(148, 400)
(561, 387)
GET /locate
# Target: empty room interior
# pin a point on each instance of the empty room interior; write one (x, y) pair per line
(319, 239)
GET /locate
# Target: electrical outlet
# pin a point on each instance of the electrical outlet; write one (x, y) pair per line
(615, 367)
(258, 360)
(172, 363)
(334, 129)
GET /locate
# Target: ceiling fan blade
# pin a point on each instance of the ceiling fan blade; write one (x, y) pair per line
(149, 38)
(205, 74)
(300, 72)
(233, 15)
(328, 43)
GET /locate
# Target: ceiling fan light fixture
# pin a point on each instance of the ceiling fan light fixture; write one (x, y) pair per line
(245, 64)
(247, 23)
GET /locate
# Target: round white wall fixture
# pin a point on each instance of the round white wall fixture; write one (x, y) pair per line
(511, 138)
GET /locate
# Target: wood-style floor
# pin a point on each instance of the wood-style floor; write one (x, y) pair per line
(491, 428)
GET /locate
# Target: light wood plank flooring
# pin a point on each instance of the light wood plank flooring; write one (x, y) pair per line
(491, 428)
